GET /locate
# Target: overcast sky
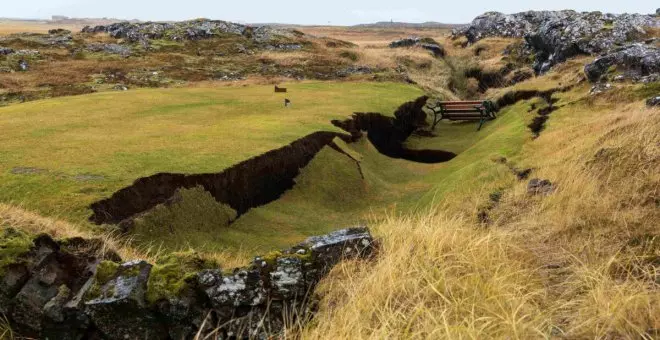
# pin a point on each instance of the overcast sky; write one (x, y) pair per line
(337, 12)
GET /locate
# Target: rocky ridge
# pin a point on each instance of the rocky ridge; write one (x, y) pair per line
(186, 30)
(554, 36)
(66, 290)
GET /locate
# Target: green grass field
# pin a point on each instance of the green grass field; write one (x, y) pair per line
(58, 156)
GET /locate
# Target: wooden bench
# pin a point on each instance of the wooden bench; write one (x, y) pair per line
(476, 110)
(280, 89)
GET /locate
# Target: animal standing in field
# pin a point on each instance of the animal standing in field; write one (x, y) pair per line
(280, 89)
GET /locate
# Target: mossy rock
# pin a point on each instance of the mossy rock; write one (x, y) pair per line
(172, 274)
(105, 271)
(13, 244)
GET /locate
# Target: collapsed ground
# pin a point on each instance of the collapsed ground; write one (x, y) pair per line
(570, 254)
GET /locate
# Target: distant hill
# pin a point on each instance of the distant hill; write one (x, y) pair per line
(394, 24)
(60, 19)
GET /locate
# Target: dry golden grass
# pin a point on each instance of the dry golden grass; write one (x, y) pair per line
(11, 27)
(15, 217)
(581, 263)
(380, 37)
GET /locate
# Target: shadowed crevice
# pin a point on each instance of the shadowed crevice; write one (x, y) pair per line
(251, 183)
(265, 178)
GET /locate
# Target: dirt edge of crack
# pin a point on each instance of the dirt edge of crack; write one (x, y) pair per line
(265, 178)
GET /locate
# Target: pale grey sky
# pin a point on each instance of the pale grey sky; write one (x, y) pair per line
(337, 12)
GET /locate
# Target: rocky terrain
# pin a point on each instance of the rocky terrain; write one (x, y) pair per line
(552, 37)
(571, 253)
(63, 289)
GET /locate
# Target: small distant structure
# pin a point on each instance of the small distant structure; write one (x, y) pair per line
(280, 89)
(287, 103)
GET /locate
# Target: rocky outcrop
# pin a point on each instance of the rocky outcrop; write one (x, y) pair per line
(66, 290)
(635, 62)
(425, 43)
(554, 36)
(185, 30)
(653, 101)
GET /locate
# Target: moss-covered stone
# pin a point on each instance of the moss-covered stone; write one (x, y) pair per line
(13, 244)
(172, 274)
(105, 271)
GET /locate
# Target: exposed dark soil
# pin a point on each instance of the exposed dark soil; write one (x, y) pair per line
(388, 134)
(263, 179)
(248, 184)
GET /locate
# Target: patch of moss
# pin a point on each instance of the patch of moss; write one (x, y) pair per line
(13, 244)
(105, 271)
(172, 274)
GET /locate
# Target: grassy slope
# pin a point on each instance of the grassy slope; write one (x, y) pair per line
(580, 263)
(123, 136)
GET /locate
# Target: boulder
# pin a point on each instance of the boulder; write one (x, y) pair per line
(540, 187)
(426, 43)
(437, 50)
(6, 51)
(653, 101)
(635, 61)
(406, 42)
(120, 310)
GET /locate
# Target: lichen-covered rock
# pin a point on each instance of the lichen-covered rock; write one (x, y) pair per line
(554, 36)
(185, 30)
(635, 61)
(120, 310)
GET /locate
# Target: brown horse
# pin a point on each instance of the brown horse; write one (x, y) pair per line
(280, 89)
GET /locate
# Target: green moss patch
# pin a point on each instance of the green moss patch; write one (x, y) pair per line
(13, 244)
(105, 271)
(172, 274)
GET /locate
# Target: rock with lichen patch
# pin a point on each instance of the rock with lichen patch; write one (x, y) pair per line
(119, 311)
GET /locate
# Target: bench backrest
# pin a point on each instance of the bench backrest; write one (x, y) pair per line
(280, 89)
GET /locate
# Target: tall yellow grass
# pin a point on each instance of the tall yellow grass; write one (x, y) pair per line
(581, 263)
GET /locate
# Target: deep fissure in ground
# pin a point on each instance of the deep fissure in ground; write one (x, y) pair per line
(265, 178)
